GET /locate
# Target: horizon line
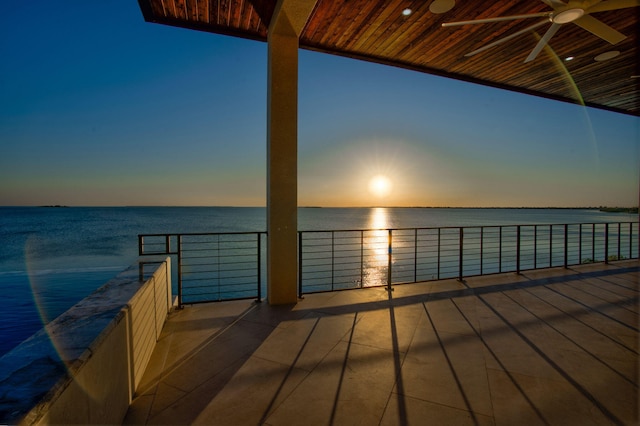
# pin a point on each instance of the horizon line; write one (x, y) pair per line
(328, 207)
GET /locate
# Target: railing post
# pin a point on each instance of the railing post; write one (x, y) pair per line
(593, 242)
(299, 264)
(332, 258)
(580, 244)
(460, 257)
(481, 249)
(638, 234)
(259, 266)
(606, 243)
(179, 249)
(361, 259)
(140, 244)
(518, 250)
(566, 245)
(415, 255)
(390, 250)
(500, 249)
(439, 253)
(550, 246)
(631, 239)
(535, 246)
(619, 253)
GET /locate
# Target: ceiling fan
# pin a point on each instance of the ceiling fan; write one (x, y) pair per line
(575, 11)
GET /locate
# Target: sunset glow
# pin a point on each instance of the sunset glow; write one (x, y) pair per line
(380, 186)
(84, 124)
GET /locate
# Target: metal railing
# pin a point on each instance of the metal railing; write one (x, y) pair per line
(337, 260)
(213, 266)
(227, 266)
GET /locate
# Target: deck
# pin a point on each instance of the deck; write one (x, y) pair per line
(556, 346)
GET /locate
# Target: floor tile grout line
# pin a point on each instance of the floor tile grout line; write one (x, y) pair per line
(623, 300)
(309, 372)
(452, 407)
(396, 361)
(592, 310)
(554, 365)
(583, 349)
(587, 309)
(502, 366)
(633, 288)
(185, 358)
(268, 410)
(187, 393)
(342, 370)
(576, 318)
(611, 288)
(467, 403)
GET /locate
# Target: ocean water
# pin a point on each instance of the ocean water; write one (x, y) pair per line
(53, 257)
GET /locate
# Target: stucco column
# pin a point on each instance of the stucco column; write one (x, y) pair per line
(282, 149)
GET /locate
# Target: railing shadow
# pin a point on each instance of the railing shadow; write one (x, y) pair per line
(231, 347)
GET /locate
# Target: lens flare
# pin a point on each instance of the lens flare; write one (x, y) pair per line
(37, 283)
(575, 90)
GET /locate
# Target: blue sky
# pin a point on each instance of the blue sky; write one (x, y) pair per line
(98, 107)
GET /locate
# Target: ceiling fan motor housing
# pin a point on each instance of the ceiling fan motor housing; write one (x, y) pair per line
(567, 15)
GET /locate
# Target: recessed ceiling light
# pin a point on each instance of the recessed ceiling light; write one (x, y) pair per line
(407, 12)
(569, 58)
(441, 6)
(607, 55)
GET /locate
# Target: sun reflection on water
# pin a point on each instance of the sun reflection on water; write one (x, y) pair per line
(376, 248)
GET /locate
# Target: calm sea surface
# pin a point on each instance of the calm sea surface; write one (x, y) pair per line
(53, 257)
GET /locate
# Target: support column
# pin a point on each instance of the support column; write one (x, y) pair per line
(287, 22)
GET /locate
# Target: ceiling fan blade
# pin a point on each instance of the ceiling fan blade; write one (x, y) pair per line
(600, 29)
(543, 42)
(554, 3)
(604, 6)
(507, 38)
(497, 19)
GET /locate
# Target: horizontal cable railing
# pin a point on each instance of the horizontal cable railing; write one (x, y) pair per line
(337, 260)
(227, 266)
(213, 266)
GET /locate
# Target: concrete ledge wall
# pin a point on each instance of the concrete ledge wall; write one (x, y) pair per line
(147, 312)
(85, 365)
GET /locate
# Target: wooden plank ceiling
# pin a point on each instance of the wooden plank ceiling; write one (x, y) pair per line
(378, 31)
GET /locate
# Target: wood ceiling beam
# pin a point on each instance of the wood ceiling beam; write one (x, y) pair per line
(291, 16)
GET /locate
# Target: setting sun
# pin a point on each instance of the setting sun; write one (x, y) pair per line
(380, 186)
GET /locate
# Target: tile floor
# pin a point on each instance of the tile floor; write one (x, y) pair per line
(555, 347)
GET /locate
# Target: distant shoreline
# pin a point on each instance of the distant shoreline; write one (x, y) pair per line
(630, 210)
(602, 209)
